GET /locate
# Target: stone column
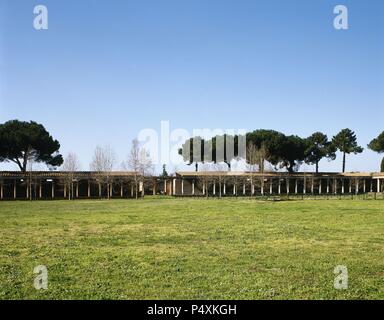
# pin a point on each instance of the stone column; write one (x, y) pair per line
(313, 185)
(378, 185)
(262, 186)
(320, 181)
(77, 189)
(182, 186)
(296, 186)
(357, 186)
(204, 188)
(89, 189)
(271, 186)
(342, 186)
(165, 186)
(234, 189)
(1, 190)
(132, 192)
(279, 189)
(287, 185)
(99, 190)
(364, 186)
(252, 188)
(214, 188)
(40, 189)
(154, 181)
(243, 188)
(335, 186)
(193, 187)
(53, 189)
(174, 187)
(328, 185)
(27, 189)
(14, 190)
(224, 189)
(305, 185)
(350, 185)
(121, 189)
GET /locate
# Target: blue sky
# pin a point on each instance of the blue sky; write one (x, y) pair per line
(104, 70)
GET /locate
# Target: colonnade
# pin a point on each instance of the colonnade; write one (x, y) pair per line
(278, 186)
(42, 185)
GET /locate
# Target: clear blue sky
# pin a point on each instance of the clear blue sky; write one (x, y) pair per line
(104, 70)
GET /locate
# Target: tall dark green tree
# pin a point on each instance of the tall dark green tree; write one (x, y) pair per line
(281, 151)
(21, 142)
(292, 153)
(346, 142)
(318, 147)
(272, 141)
(164, 172)
(225, 148)
(197, 150)
(192, 151)
(377, 145)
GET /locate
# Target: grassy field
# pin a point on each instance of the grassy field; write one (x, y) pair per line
(192, 249)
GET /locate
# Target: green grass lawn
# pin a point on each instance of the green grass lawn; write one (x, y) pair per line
(192, 249)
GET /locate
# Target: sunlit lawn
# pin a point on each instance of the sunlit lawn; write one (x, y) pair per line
(192, 249)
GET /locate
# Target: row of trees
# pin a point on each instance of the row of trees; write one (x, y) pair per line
(278, 149)
(26, 142)
(104, 162)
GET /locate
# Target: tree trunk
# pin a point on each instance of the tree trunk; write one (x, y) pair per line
(317, 166)
(343, 162)
(251, 187)
(30, 186)
(17, 161)
(382, 165)
(25, 161)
